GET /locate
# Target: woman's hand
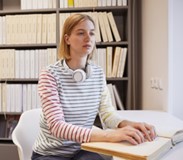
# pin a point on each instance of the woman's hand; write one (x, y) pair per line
(147, 130)
(127, 133)
(133, 132)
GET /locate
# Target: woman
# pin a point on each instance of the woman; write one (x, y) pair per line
(72, 92)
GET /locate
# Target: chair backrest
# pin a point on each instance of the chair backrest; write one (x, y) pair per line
(25, 132)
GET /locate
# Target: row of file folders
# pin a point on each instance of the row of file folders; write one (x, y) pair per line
(41, 4)
(41, 28)
(27, 64)
(22, 97)
(18, 97)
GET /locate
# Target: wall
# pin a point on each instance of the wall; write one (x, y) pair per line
(162, 55)
(154, 54)
(176, 57)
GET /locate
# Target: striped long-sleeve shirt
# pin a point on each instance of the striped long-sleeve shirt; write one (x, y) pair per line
(70, 108)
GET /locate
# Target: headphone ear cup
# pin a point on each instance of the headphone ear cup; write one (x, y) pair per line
(79, 75)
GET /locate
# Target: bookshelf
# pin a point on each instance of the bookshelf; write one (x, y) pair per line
(122, 17)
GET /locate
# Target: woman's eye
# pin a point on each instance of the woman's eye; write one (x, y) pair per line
(81, 33)
(92, 33)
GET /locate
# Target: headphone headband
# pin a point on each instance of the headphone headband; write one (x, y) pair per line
(78, 75)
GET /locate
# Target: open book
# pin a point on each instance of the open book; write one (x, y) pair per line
(169, 130)
(166, 125)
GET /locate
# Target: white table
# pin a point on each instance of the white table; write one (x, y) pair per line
(155, 118)
(176, 153)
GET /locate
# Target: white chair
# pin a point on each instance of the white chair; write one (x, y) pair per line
(25, 133)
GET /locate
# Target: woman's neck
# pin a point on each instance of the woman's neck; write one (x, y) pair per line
(76, 63)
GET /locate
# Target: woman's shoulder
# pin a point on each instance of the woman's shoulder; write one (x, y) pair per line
(55, 67)
(52, 68)
(96, 68)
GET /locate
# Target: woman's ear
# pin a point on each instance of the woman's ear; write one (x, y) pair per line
(66, 37)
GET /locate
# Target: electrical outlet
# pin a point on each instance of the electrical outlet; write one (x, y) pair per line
(152, 82)
(160, 85)
(156, 83)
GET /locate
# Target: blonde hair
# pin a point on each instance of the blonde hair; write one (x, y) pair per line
(70, 23)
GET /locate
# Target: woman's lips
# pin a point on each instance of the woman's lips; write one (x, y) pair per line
(87, 46)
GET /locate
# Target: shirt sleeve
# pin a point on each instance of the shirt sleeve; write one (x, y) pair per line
(107, 112)
(53, 111)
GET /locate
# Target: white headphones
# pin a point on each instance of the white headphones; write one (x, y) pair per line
(79, 75)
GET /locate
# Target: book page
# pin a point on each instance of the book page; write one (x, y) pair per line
(174, 133)
(127, 150)
(166, 125)
(164, 131)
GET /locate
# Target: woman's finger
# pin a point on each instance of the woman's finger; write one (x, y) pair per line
(136, 135)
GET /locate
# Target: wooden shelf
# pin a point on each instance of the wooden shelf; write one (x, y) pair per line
(122, 16)
(10, 113)
(20, 80)
(35, 80)
(117, 79)
(92, 9)
(114, 44)
(28, 46)
(29, 11)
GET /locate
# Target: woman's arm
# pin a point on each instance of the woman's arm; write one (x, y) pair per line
(126, 133)
(147, 130)
(53, 111)
(122, 130)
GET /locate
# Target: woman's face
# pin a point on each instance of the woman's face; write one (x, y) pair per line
(82, 39)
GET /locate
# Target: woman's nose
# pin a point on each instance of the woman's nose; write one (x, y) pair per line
(87, 36)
